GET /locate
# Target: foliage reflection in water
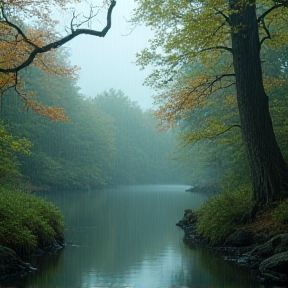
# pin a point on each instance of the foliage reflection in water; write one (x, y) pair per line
(127, 237)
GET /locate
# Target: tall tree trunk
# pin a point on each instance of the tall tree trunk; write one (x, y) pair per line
(268, 168)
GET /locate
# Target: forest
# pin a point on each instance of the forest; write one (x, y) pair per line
(220, 121)
(105, 141)
(226, 85)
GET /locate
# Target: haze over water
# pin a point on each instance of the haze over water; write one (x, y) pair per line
(127, 237)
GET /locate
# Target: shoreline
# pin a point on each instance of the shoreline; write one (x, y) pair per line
(14, 264)
(266, 256)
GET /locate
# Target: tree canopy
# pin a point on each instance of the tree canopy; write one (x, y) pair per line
(29, 36)
(192, 51)
(202, 49)
(107, 140)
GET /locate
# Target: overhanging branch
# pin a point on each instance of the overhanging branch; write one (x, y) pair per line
(217, 48)
(25, 39)
(204, 89)
(269, 10)
(218, 79)
(266, 30)
(261, 19)
(54, 45)
(224, 131)
(223, 15)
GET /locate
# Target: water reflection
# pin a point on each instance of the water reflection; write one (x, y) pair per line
(127, 237)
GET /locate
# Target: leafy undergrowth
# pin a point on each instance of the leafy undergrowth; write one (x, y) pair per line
(28, 222)
(219, 216)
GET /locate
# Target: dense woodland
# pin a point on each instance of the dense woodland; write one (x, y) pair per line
(107, 140)
(221, 81)
(220, 70)
(227, 54)
(57, 138)
(211, 134)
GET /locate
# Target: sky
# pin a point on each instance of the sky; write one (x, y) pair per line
(109, 62)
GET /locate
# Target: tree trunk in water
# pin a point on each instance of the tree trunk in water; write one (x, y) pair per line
(268, 168)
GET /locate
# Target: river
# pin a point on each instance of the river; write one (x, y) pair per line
(127, 237)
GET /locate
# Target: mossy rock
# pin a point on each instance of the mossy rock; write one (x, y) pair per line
(274, 268)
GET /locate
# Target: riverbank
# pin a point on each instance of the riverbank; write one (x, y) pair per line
(11, 264)
(260, 245)
(29, 226)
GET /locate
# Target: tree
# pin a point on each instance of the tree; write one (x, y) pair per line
(28, 36)
(200, 33)
(141, 152)
(74, 154)
(212, 144)
(269, 170)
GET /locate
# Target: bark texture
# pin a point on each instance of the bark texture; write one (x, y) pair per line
(268, 168)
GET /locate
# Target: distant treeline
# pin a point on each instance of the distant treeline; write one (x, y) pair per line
(108, 140)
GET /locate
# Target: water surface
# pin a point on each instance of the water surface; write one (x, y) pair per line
(127, 237)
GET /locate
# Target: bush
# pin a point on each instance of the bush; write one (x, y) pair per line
(219, 216)
(28, 222)
(280, 213)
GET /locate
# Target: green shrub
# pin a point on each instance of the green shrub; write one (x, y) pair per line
(280, 213)
(28, 222)
(219, 216)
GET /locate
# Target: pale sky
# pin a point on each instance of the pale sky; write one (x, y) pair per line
(108, 62)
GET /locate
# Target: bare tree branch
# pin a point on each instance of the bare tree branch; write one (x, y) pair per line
(270, 10)
(266, 30)
(217, 48)
(224, 131)
(262, 19)
(54, 45)
(87, 18)
(202, 89)
(218, 78)
(223, 15)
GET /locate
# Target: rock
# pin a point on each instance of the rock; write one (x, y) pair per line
(267, 256)
(239, 238)
(182, 223)
(277, 244)
(247, 260)
(274, 268)
(11, 263)
(189, 218)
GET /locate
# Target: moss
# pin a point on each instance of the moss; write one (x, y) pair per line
(219, 216)
(28, 222)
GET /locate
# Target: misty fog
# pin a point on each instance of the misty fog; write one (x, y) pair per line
(117, 162)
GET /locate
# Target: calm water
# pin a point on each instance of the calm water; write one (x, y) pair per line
(127, 237)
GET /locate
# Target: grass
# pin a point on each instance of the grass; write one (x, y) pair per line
(28, 222)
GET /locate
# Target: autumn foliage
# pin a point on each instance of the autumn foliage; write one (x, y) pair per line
(31, 36)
